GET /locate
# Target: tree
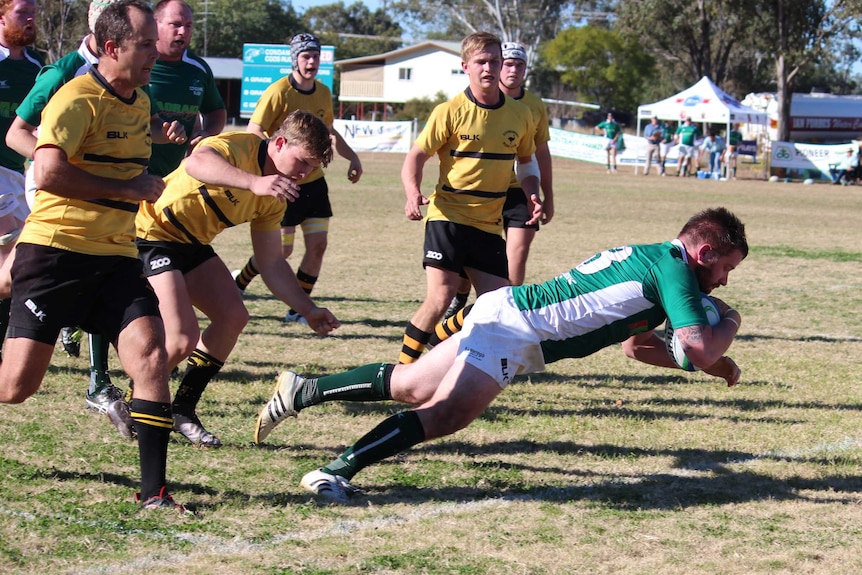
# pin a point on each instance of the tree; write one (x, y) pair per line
(223, 26)
(795, 33)
(530, 22)
(692, 39)
(601, 66)
(61, 26)
(354, 30)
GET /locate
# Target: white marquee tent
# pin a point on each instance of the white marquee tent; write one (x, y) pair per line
(703, 102)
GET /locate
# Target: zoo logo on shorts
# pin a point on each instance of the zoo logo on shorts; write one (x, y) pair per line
(160, 263)
(432, 255)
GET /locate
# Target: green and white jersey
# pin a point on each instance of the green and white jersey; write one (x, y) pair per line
(51, 78)
(610, 127)
(734, 138)
(180, 90)
(16, 79)
(610, 297)
(687, 134)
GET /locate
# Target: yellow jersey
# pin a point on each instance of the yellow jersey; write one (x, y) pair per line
(477, 146)
(103, 134)
(191, 212)
(283, 97)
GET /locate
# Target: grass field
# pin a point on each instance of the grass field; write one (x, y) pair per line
(601, 465)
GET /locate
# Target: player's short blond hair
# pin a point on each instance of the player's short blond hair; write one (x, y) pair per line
(306, 130)
(478, 42)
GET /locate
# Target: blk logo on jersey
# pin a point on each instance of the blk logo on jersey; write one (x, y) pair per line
(233, 199)
(117, 135)
(469, 137)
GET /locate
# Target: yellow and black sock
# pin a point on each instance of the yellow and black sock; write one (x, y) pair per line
(449, 327)
(248, 273)
(413, 344)
(200, 370)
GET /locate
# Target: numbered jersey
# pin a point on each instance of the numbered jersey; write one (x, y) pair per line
(610, 297)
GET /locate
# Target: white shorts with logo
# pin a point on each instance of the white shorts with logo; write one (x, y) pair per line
(497, 340)
(12, 194)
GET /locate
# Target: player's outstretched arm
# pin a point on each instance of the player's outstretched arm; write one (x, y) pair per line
(281, 281)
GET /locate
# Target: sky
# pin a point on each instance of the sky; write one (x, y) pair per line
(301, 5)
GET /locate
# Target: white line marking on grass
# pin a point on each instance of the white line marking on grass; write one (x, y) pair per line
(209, 545)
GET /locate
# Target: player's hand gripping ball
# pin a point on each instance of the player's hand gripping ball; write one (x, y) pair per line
(674, 345)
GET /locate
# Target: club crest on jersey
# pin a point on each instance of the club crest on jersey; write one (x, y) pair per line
(510, 138)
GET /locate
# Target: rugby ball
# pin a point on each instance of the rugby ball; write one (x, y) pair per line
(672, 342)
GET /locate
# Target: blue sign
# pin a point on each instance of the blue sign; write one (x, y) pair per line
(263, 64)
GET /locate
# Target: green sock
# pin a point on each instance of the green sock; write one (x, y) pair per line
(367, 383)
(201, 368)
(99, 345)
(393, 435)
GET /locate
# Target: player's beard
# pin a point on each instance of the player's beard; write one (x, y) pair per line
(20, 36)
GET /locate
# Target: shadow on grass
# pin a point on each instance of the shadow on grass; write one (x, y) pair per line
(659, 491)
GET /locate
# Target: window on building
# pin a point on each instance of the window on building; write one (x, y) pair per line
(405, 73)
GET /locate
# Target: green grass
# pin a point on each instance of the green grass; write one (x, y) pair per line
(601, 465)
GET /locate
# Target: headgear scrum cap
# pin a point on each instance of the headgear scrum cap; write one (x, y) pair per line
(96, 8)
(302, 43)
(514, 51)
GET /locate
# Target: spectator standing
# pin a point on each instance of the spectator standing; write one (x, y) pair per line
(686, 137)
(654, 134)
(714, 146)
(612, 132)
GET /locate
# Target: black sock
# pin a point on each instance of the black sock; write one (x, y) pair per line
(153, 423)
(392, 436)
(306, 282)
(200, 370)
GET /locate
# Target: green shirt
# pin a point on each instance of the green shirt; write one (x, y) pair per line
(610, 297)
(180, 90)
(611, 128)
(687, 134)
(16, 79)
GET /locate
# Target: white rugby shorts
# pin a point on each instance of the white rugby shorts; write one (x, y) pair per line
(497, 340)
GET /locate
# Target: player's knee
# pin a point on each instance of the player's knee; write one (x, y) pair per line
(233, 320)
